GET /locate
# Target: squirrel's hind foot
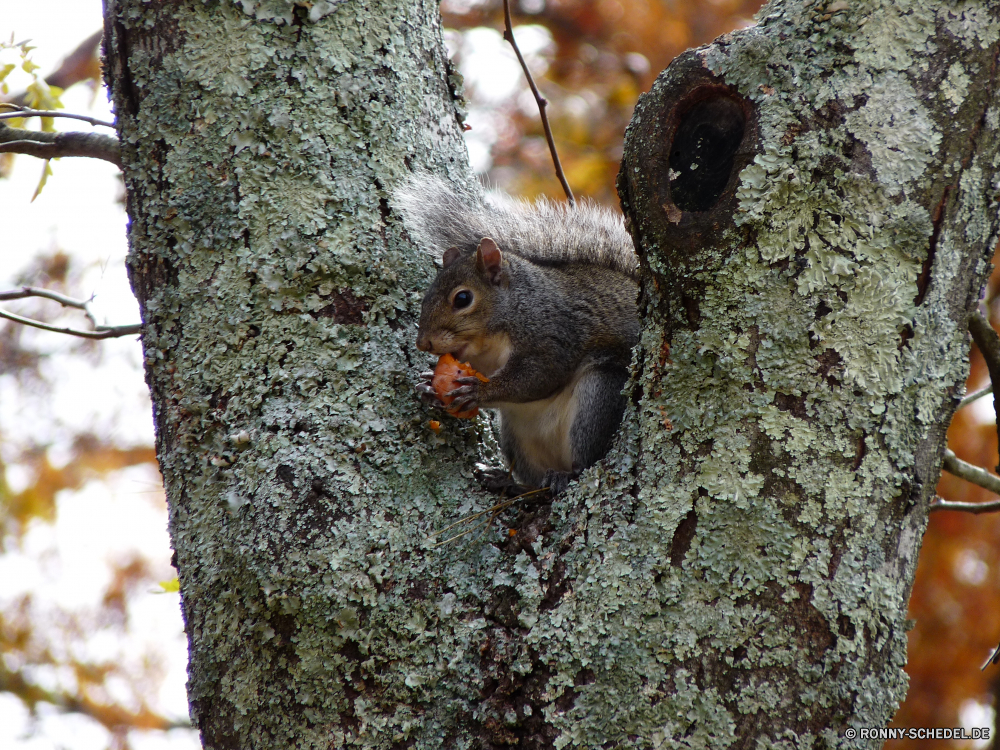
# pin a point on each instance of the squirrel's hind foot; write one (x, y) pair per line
(558, 481)
(498, 480)
(502, 482)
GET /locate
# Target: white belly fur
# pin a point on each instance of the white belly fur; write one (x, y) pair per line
(541, 428)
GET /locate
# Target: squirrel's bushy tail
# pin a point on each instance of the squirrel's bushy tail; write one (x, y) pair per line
(438, 215)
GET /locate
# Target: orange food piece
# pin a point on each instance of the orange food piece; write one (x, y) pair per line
(434, 425)
(445, 374)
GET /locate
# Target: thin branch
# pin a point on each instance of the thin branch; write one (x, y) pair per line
(975, 396)
(492, 512)
(508, 34)
(112, 716)
(989, 346)
(53, 145)
(994, 658)
(33, 291)
(939, 503)
(22, 112)
(963, 470)
(102, 332)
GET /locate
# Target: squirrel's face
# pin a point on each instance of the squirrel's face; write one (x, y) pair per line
(453, 312)
(456, 312)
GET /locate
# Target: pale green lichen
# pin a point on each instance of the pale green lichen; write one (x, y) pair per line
(955, 86)
(972, 22)
(227, 49)
(283, 11)
(892, 35)
(897, 129)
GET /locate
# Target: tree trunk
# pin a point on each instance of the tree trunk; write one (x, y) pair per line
(814, 203)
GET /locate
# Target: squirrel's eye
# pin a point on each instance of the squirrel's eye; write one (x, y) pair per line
(462, 299)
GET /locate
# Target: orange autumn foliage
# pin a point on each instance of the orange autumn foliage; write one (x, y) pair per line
(604, 54)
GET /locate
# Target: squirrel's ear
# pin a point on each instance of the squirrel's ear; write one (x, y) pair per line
(450, 256)
(488, 259)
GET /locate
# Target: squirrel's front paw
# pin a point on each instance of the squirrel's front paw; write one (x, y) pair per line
(466, 396)
(426, 391)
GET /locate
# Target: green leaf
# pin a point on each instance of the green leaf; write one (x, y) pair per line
(46, 171)
(39, 95)
(169, 587)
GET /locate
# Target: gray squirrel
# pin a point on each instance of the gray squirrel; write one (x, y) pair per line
(541, 299)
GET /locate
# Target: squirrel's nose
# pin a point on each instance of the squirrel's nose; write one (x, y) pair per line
(423, 342)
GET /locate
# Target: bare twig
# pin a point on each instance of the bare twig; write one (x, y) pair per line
(492, 512)
(101, 332)
(112, 716)
(508, 34)
(939, 503)
(989, 346)
(993, 658)
(33, 291)
(975, 396)
(23, 112)
(963, 470)
(53, 145)
(469, 519)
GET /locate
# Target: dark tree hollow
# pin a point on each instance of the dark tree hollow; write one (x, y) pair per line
(703, 152)
(699, 133)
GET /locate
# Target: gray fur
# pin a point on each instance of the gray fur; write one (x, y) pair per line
(552, 323)
(439, 215)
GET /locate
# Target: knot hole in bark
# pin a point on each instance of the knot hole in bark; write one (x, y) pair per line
(703, 150)
(690, 137)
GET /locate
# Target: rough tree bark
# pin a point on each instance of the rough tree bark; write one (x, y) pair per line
(815, 203)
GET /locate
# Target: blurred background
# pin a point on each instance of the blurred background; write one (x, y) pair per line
(92, 651)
